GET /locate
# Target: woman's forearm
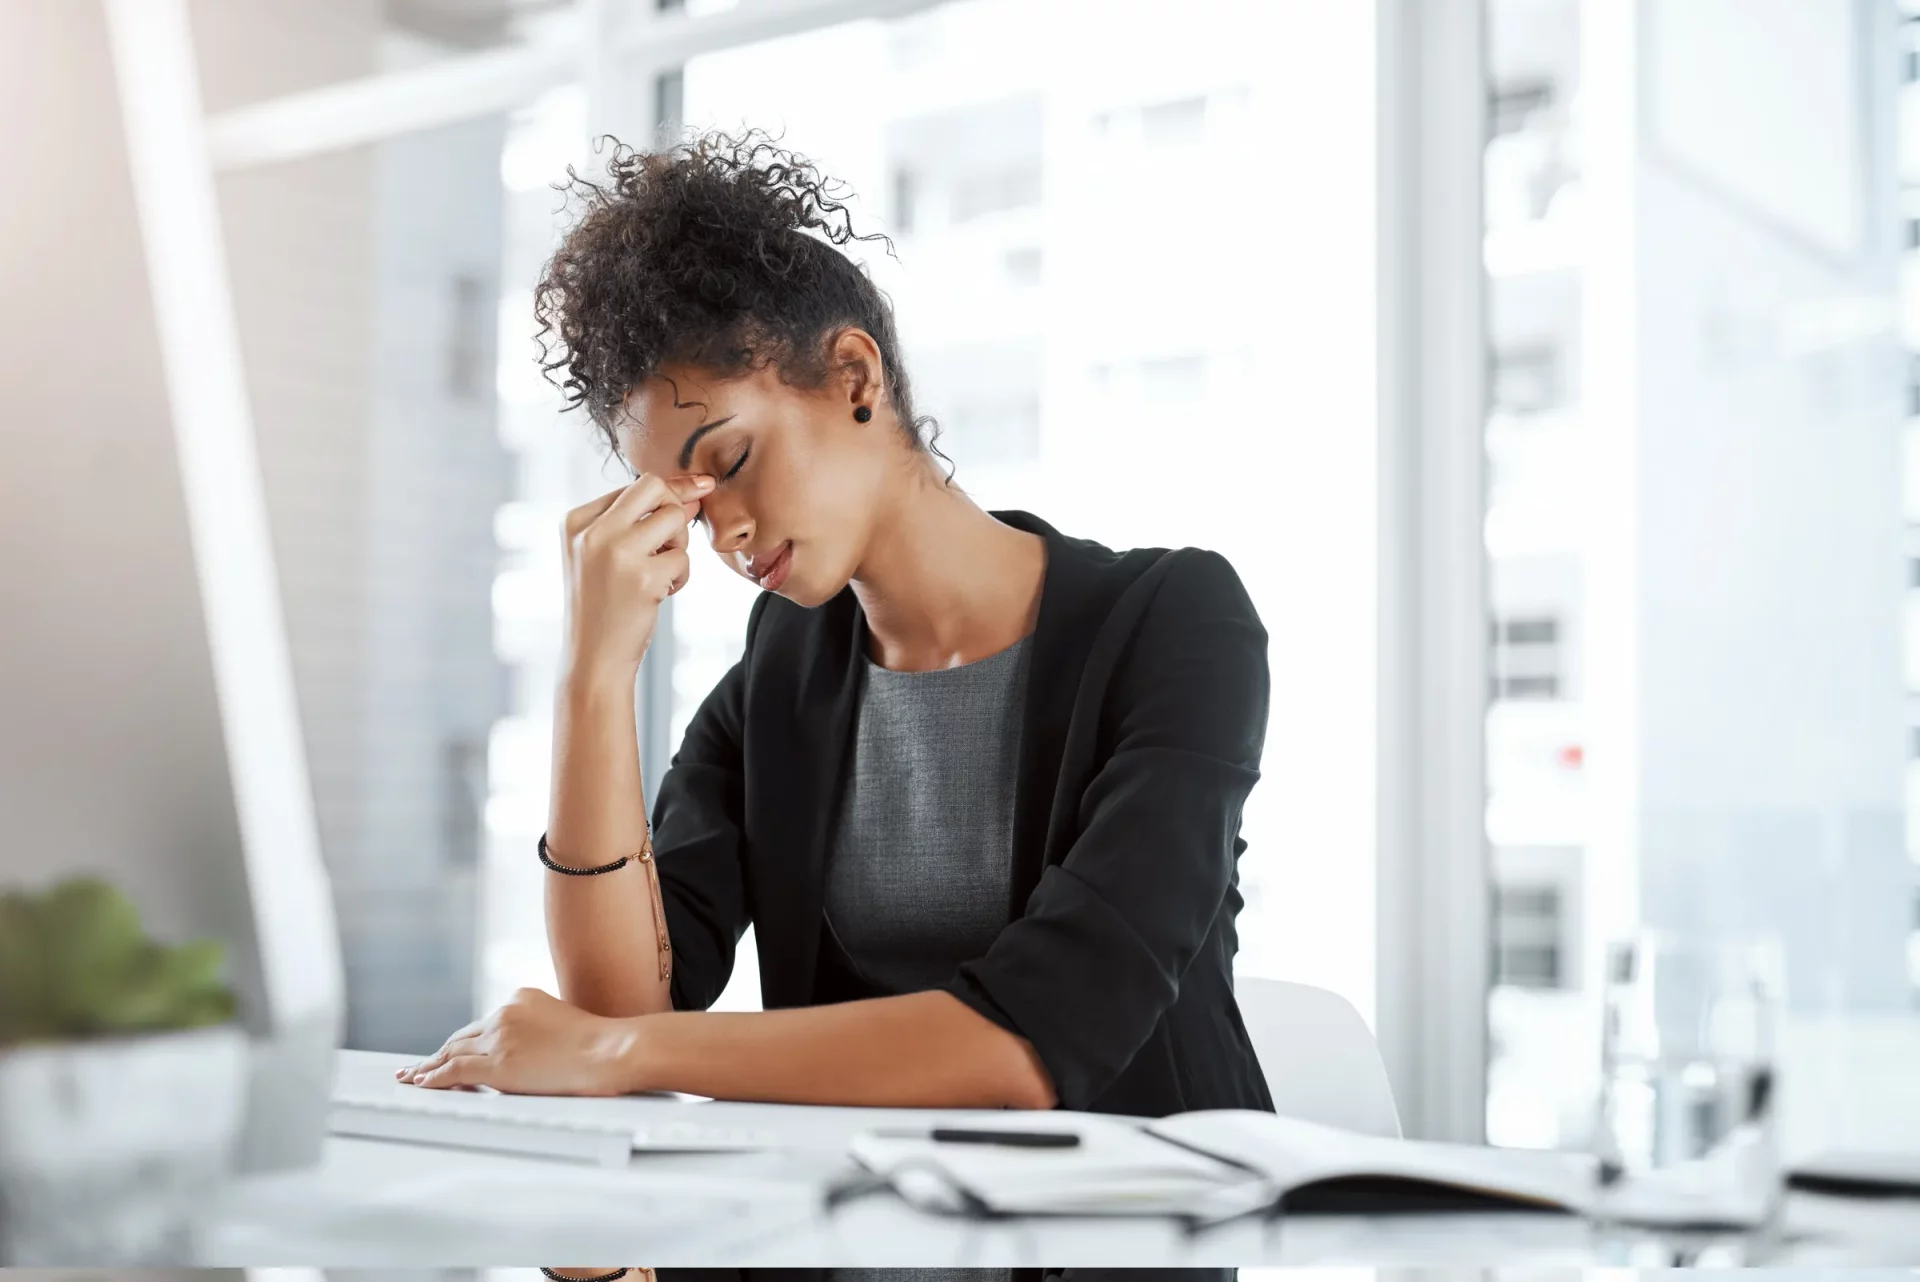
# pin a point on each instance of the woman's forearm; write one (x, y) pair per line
(922, 1050)
(601, 930)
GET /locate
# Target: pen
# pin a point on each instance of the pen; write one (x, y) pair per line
(1007, 1139)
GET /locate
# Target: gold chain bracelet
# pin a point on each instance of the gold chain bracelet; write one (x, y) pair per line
(644, 857)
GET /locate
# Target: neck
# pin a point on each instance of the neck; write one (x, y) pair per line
(943, 583)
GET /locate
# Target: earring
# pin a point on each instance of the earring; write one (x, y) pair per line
(862, 414)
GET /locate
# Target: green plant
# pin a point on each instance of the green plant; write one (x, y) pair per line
(75, 963)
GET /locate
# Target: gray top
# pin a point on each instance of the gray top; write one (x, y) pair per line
(919, 876)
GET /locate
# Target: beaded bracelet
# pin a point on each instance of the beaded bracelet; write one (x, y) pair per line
(553, 1275)
(621, 862)
(653, 876)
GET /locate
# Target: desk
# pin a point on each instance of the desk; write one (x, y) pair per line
(371, 1203)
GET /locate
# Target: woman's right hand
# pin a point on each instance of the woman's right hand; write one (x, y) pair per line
(625, 553)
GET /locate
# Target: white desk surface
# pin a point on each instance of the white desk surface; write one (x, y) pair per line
(372, 1203)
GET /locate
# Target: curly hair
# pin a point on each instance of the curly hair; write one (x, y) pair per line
(719, 253)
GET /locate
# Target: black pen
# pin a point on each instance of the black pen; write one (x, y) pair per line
(1007, 1139)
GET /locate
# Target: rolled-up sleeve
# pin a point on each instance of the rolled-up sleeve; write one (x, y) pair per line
(698, 820)
(1097, 957)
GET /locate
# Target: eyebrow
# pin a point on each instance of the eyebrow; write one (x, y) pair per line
(686, 451)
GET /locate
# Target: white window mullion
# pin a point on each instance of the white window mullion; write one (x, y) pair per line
(1433, 880)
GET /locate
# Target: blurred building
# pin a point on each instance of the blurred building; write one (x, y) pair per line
(365, 284)
(1697, 712)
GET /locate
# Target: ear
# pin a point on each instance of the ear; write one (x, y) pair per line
(863, 374)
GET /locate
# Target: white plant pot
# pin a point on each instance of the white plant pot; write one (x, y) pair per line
(109, 1149)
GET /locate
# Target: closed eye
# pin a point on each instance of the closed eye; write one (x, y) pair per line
(738, 464)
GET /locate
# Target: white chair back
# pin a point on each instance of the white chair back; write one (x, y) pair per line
(1320, 1059)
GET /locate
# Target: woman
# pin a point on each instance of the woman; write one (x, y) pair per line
(976, 784)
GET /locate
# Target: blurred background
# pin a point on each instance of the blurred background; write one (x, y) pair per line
(1549, 369)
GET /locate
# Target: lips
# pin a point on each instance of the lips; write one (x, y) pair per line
(769, 569)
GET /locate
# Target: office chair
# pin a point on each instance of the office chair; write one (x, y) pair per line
(1319, 1057)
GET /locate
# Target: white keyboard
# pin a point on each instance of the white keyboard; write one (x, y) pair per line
(533, 1125)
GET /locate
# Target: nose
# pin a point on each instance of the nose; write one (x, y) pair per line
(728, 525)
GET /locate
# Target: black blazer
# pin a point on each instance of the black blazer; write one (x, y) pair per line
(1146, 707)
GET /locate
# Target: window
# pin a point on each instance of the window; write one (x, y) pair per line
(1023, 266)
(1913, 951)
(1536, 894)
(1527, 965)
(470, 337)
(1515, 106)
(1526, 381)
(904, 190)
(1527, 658)
(365, 283)
(1661, 667)
(1177, 123)
(976, 195)
(1530, 632)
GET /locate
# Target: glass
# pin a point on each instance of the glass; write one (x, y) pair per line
(556, 464)
(366, 284)
(1691, 726)
(1687, 1128)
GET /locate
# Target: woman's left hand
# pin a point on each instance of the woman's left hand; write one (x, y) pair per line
(535, 1045)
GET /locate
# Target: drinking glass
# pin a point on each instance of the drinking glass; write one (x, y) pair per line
(1686, 1137)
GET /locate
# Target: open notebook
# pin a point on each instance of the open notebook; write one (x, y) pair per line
(1217, 1165)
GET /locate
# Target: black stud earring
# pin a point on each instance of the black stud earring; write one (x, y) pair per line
(862, 413)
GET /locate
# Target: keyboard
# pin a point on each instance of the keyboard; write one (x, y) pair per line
(598, 1131)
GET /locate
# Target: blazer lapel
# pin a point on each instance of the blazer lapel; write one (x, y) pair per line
(1067, 594)
(804, 765)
